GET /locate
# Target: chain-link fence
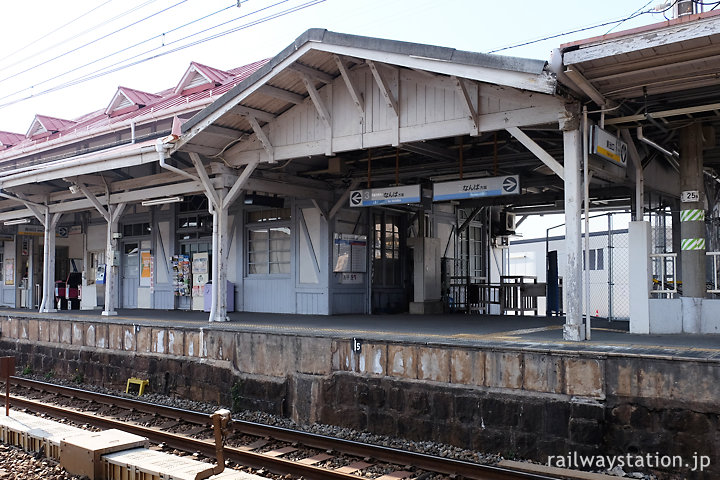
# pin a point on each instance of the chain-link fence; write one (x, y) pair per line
(606, 264)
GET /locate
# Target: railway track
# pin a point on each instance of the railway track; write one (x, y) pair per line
(273, 449)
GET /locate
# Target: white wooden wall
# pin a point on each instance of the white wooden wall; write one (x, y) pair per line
(429, 106)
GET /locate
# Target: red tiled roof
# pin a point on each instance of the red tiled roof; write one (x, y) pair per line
(200, 77)
(128, 98)
(138, 97)
(53, 124)
(8, 139)
(214, 74)
(155, 104)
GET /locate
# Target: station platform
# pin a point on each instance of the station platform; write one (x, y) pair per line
(487, 331)
(491, 383)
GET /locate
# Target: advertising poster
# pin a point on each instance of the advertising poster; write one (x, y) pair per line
(145, 268)
(9, 271)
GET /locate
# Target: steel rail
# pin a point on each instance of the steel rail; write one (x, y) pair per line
(432, 463)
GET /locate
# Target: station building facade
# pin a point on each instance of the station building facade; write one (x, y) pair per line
(344, 175)
(293, 240)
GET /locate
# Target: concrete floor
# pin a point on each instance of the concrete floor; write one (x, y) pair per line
(543, 333)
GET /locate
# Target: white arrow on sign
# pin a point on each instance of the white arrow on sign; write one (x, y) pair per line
(356, 198)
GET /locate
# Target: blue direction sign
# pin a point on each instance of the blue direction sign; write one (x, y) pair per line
(476, 187)
(385, 196)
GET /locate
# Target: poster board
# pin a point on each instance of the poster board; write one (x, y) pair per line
(9, 271)
(145, 268)
(349, 253)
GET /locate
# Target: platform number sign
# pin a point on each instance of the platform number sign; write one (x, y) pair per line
(688, 196)
(356, 345)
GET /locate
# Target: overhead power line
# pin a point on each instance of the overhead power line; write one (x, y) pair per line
(117, 52)
(583, 29)
(121, 65)
(57, 57)
(51, 33)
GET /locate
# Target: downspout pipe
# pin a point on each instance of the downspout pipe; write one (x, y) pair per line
(664, 151)
(161, 148)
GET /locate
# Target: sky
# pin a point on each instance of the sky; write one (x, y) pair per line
(49, 44)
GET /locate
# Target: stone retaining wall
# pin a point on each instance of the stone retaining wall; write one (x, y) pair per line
(516, 402)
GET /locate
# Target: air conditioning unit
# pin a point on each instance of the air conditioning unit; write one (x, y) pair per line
(683, 7)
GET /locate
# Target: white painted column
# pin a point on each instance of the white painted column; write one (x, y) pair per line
(572, 282)
(46, 266)
(640, 277)
(48, 300)
(220, 267)
(111, 270)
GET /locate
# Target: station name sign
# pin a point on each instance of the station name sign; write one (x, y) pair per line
(385, 196)
(476, 187)
(608, 147)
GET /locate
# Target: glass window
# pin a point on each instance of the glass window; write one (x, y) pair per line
(597, 260)
(269, 250)
(386, 250)
(193, 203)
(136, 229)
(268, 215)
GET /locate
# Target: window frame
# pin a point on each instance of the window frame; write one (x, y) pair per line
(273, 223)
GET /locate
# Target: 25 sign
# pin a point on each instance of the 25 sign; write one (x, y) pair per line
(688, 196)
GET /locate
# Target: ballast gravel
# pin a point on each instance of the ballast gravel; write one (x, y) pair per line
(17, 464)
(426, 447)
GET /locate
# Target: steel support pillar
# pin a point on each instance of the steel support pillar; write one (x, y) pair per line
(692, 225)
(572, 283)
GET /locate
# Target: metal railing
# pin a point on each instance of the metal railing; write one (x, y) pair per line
(664, 274)
(714, 286)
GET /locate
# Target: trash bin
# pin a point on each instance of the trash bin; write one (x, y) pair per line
(207, 296)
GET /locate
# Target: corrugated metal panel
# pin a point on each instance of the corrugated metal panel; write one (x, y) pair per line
(139, 98)
(8, 138)
(213, 74)
(152, 102)
(52, 124)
